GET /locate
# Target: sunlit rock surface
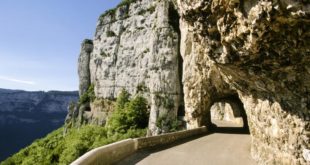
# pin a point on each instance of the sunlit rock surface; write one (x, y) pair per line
(186, 55)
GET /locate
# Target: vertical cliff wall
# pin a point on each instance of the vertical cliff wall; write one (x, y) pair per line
(254, 53)
(83, 66)
(136, 47)
(259, 50)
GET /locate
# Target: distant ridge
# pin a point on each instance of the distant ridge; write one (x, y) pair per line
(31, 115)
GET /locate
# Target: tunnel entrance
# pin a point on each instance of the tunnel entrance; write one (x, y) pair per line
(228, 116)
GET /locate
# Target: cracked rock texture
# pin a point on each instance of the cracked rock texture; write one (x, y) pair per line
(136, 47)
(194, 53)
(259, 50)
(223, 111)
(83, 65)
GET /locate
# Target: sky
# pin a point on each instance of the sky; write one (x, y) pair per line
(40, 41)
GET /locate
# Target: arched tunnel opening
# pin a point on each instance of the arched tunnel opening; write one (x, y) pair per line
(228, 115)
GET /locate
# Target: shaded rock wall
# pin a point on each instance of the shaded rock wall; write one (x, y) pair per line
(260, 50)
(83, 66)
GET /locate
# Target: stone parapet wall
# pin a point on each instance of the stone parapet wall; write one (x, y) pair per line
(168, 138)
(115, 152)
(108, 154)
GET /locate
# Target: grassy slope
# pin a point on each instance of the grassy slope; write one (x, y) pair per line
(58, 149)
(127, 121)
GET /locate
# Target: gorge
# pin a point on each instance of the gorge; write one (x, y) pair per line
(186, 55)
(26, 116)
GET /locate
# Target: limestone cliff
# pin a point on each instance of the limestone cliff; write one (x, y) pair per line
(136, 47)
(255, 53)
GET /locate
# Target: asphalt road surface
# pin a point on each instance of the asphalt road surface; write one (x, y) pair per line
(221, 148)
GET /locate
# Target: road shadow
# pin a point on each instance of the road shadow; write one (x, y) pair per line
(142, 154)
(230, 130)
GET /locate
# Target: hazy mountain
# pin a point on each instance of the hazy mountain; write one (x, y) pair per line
(26, 116)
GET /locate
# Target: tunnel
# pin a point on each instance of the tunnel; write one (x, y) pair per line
(227, 115)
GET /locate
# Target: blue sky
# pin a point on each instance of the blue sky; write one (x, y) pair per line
(40, 41)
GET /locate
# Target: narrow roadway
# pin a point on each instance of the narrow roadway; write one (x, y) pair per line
(214, 149)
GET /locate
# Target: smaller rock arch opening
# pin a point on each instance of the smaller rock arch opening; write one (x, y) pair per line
(228, 115)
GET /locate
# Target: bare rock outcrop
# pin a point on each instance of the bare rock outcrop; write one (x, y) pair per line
(83, 65)
(136, 47)
(190, 54)
(259, 50)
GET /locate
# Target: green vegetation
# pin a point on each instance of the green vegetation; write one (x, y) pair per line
(142, 12)
(88, 96)
(140, 28)
(129, 120)
(112, 11)
(146, 50)
(110, 33)
(58, 149)
(168, 103)
(141, 87)
(108, 12)
(165, 123)
(88, 41)
(125, 3)
(150, 10)
(165, 101)
(129, 114)
(122, 99)
(103, 54)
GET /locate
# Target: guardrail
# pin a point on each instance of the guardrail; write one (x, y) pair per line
(115, 152)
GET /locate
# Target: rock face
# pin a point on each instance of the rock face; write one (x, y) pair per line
(136, 47)
(225, 112)
(26, 116)
(83, 68)
(259, 50)
(197, 52)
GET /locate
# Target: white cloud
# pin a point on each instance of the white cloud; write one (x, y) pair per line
(17, 81)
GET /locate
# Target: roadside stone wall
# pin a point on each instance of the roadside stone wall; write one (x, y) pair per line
(115, 152)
